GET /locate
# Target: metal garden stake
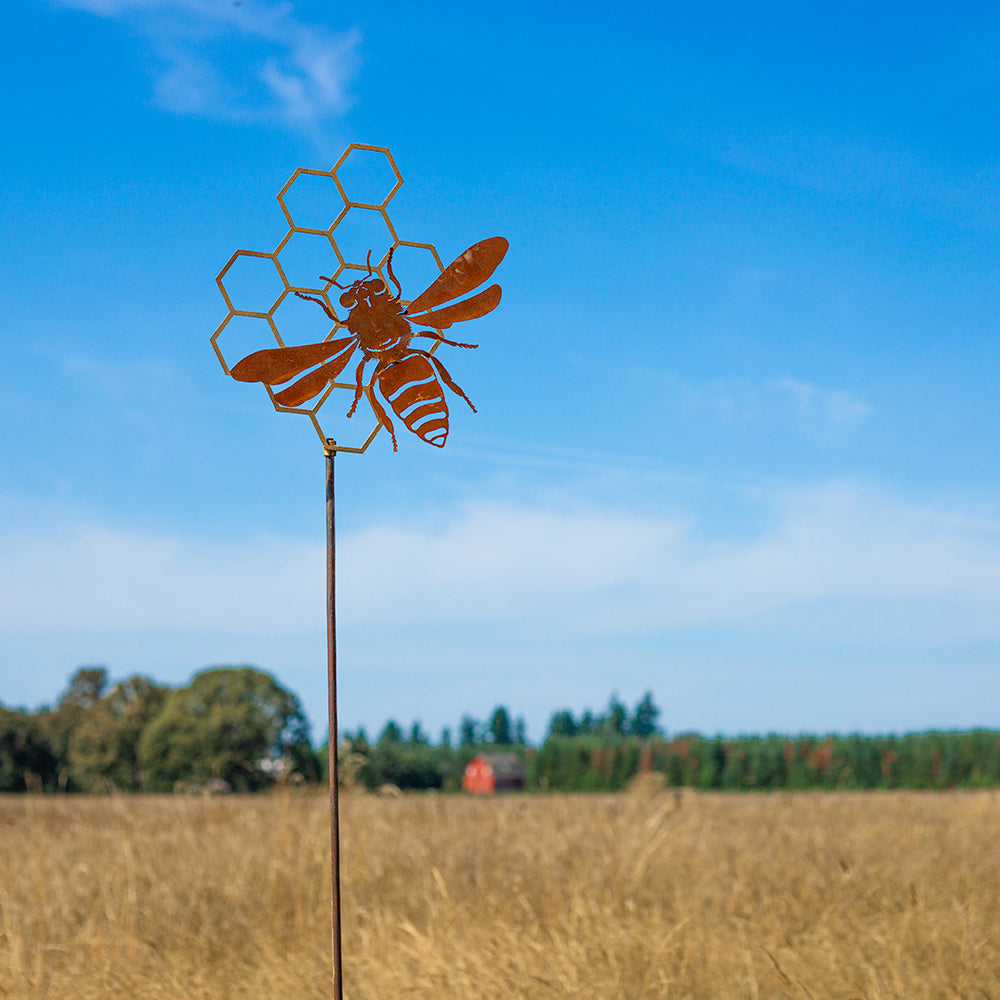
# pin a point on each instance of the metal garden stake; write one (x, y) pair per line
(373, 325)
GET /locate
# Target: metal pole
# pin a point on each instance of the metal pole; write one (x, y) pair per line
(331, 646)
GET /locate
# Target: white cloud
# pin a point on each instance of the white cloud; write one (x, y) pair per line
(838, 556)
(100, 578)
(612, 573)
(247, 61)
(828, 407)
(813, 409)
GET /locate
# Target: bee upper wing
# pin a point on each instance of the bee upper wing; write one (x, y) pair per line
(465, 272)
(279, 364)
(479, 305)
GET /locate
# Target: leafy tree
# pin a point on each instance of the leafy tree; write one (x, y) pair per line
(644, 719)
(499, 727)
(417, 734)
(86, 687)
(234, 723)
(104, 745)
(27, 761)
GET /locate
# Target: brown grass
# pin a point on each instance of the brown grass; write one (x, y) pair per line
(876, 895)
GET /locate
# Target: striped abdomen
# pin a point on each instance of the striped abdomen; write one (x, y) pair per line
(412, 389)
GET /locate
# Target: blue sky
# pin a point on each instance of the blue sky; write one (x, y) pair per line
(736, 439)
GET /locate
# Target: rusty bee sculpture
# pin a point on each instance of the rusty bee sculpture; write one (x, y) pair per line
(379, 326)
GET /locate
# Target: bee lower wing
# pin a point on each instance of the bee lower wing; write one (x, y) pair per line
(312, 384)
(278, 364)
(479, 305)
(467, 271)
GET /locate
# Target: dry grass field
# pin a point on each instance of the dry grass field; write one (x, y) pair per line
(873, 895)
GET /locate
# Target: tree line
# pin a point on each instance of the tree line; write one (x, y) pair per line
(236, 728)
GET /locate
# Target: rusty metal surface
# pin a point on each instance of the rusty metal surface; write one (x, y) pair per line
(331, 673)
(391, 373)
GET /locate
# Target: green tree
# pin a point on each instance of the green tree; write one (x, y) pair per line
(468, 732)
(85, 690)
(616, 717)
(27, 761)
(499, 727)
(233, 723)
(644, 719)
(562, 723)
(393, 733)
(405, 765)
(357, 740)
(104, 744)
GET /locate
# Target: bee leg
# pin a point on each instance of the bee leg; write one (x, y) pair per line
(449, 381)
(319, 302)
(359, 389)
(388, 267)
(443, 340)
(384, 418)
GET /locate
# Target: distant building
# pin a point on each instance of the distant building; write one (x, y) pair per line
(493, 772)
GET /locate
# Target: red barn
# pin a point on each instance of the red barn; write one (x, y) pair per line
(493, 772)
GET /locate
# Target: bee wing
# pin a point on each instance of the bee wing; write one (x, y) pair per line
(479, 305)
(312, 384)
(467, 271)
(279, 364)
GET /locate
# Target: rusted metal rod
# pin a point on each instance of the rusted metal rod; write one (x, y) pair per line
(331, 673)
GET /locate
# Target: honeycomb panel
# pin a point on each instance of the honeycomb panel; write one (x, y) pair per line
(335, 217)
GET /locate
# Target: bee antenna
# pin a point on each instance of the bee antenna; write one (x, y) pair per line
(395, 281)
(332, 282)
(368, 261)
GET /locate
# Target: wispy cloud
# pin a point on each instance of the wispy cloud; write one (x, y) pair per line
(606, 572)
(100, 578)
(246, 61)
(814, 403)
(812, 409)
(829, 553)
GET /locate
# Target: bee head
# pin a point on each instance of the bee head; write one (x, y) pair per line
(362, 290)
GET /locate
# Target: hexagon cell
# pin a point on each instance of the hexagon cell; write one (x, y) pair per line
(250, 282)
(367, 176)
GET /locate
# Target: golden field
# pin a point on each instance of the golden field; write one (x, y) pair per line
(852, 895)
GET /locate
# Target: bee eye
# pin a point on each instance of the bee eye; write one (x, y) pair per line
(348, 299)
(376, 285)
